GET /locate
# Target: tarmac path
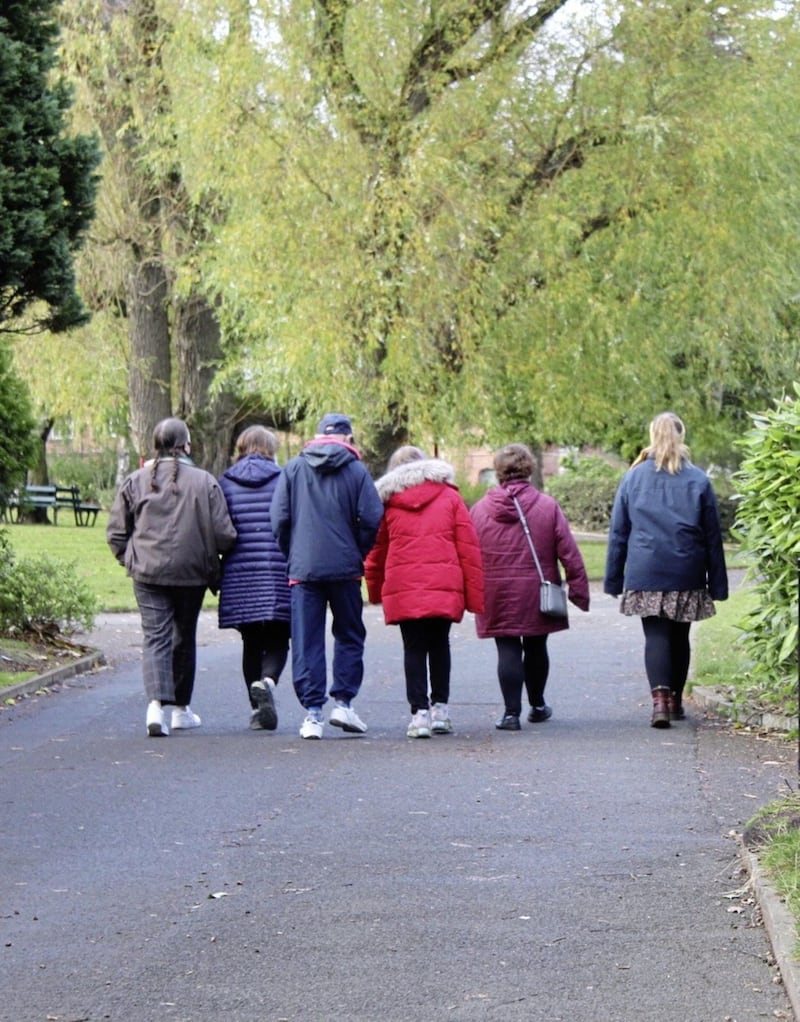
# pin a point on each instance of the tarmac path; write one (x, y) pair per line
(584, 869)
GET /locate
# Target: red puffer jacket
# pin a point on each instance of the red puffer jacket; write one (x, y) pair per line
(512, 582)
(426, 561)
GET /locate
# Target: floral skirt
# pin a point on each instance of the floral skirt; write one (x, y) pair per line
(690, 605)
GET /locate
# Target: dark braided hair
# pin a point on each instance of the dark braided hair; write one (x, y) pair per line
(170, 439)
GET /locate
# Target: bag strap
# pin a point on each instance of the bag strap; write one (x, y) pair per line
(528, 536)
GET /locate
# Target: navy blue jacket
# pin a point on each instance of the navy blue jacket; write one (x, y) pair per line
(665, 534)
(255, 585)
(326, 512)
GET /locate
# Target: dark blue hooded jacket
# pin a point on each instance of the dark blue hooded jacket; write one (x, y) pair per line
(255, 585)
(326, 512)
(665, 534)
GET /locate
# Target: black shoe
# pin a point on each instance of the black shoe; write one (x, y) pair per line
(264, 716)
(539, 714)
(508, 722)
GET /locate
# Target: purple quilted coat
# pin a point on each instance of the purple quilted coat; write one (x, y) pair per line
(255, 586)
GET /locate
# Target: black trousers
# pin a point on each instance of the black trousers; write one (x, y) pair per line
(426, 645)
(522, 661)
(666, 653)
(265, 649)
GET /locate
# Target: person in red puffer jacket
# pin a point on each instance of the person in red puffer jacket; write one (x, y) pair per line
(426, 570)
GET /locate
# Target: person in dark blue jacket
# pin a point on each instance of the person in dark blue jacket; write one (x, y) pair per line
(665, 556)
(325, 515)
(254, 591)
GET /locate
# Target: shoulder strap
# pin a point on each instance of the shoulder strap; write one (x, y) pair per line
(528, 536)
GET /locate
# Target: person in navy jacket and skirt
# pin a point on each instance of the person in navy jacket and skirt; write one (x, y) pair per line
(665, 556)
(254, 591)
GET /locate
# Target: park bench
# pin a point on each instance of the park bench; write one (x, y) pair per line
(51, 498)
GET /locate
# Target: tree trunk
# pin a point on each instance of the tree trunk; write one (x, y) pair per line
(211, 417)
(39, 476)
(149, 372)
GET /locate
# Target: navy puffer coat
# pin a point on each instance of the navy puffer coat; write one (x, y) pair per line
(255, 586)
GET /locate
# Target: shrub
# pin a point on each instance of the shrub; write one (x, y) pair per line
(41, 595)
(586, 490)
(766, 525)
(94, 474)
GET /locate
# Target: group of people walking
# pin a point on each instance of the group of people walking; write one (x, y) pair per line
(286, 546)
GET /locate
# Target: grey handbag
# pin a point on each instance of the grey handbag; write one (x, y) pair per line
(552, 595)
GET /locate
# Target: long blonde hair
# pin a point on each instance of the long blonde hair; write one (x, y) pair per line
(667, 446)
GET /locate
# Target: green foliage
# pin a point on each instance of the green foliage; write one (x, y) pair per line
(47, 180)
(93, 474)
(42, 595)
(17, 442)
(766, 525)
(585, 490)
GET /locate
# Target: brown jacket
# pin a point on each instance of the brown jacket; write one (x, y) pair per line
(174, 535)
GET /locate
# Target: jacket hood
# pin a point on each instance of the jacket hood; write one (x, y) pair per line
(414, 473)
(324, 455)
(254, 470)
(500, 503)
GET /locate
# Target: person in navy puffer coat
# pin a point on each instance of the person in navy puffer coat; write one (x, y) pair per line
(254, 591)
(426, 570)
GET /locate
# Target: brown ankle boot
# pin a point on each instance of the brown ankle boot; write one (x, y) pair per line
(676, 711)
(660, 716)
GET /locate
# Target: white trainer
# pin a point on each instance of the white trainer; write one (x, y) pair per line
(420, 726)
(312, 726)
(183, 718)
(347, 719)
(440, 719)
(156, 726)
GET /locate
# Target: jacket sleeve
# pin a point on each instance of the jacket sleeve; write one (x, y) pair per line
(224, 529)
(280, 514)
(369, 513)
(571, 559)
(375, 564)
(617, 552)
(716, 569)
(120, 525)
(469, 554)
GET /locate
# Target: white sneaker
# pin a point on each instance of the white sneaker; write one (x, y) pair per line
(183, 718)
(420, 726)
(156, 727)
(312, 726)
(440, 719)
(347, 719)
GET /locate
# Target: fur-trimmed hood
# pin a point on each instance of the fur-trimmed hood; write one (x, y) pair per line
(414, 473)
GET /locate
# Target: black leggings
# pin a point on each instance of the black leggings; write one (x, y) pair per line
(426, 645)
(265, 647)
(522, 660)
(666, 653)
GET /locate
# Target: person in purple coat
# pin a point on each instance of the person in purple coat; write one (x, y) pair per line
(512, 617)
(254, 591)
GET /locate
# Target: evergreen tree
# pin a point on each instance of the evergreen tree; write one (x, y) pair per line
(47, 178)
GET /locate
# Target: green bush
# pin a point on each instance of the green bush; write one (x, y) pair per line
(766, 526)
(586, 490)
(38, 594)
(94, 474)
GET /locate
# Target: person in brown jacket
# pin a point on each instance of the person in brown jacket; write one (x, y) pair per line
(168, 525)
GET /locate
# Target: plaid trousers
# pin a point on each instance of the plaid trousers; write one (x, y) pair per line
(169, 649)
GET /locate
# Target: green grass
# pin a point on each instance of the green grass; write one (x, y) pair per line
(718, 656)
(87, 548)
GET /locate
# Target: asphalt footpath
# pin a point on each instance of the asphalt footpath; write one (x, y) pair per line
(588, 868)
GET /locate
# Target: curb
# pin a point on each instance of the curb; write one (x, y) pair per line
(710, 699)
(780, 926)
(54, 677)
